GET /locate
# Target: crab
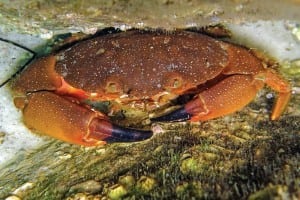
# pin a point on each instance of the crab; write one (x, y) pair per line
(140, 70)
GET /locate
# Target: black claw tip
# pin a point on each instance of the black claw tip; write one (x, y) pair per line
(176, 115)
(121, 134)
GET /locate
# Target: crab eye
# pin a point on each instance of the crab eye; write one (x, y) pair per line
(173, 81)
(177, 83)
(112, 87)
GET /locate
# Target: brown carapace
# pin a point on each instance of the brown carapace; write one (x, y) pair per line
(135, 67)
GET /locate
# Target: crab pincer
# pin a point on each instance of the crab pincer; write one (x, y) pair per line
(57, 117)
(233, 93)
(55, 110)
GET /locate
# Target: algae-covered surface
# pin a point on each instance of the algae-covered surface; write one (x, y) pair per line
(49, 17)
(240, 156)
(229, 158)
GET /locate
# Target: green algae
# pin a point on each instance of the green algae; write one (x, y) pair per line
(229, 169)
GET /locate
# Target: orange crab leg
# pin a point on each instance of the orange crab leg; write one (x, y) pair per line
(61, 119)
(67, 89)
(41, 75)
(274, 81)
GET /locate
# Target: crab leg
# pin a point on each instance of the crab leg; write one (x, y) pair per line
(61, 119)
(230, 95)
(274, 81)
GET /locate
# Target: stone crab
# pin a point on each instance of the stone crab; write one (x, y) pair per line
(140, 70)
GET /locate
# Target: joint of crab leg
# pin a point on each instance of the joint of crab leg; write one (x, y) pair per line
(67, 89)
(191, 111)
(197, 108)
(101, 129)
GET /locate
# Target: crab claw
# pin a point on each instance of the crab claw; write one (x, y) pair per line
(229, 95)
(177, 115)
(56, 116)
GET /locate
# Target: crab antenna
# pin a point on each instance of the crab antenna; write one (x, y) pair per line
(24, 65)
(18, 45)
(177, 115)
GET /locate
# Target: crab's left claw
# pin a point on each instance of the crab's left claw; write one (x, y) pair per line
(230, 95)
(56, 116)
